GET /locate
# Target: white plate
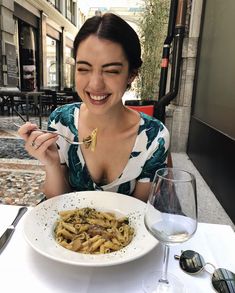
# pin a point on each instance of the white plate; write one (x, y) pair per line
(39, 225)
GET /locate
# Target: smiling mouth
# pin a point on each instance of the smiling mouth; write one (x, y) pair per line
(98, 98)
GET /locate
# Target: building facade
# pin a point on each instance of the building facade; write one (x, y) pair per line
(36, 43)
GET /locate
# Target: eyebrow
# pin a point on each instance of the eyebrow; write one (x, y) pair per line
(105, 65)
(112, 64)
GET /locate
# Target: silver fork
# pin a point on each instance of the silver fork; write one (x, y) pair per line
(85, 141)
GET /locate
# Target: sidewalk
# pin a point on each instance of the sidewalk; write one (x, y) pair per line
(209, 208)
(21, 176)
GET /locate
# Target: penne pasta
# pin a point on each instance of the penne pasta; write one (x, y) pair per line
(92, 232)
(109, 216)
(96, 245)
(76, 244)
(69, 227)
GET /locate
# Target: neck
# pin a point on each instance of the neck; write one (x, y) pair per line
(105, 122)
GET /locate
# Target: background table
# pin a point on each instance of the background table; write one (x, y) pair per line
(24, 270)
(14, 99)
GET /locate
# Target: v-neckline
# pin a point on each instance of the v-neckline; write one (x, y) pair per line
(82, 159)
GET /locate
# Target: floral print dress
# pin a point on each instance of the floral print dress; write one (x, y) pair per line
(148, 154)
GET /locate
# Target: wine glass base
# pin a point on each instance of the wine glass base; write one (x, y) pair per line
(152, 285)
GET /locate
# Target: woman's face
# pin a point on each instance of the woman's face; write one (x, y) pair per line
(102, 73)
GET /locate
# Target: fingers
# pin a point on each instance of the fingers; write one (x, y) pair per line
(46, 152)
(37, 139)
(33, 144)
(33, 138)
(40, 145)
(47, 144)
(26, 129)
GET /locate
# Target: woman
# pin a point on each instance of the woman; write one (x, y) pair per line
(130, 146)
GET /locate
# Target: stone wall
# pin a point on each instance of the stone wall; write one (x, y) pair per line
(179, 110)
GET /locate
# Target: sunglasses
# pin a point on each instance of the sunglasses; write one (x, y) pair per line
(192, 262)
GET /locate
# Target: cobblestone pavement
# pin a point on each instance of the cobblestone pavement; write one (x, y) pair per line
(21, 176)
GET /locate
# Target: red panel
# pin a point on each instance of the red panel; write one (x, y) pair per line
(148, 109)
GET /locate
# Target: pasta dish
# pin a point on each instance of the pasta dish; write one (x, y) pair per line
(90, 141)
(90, 231)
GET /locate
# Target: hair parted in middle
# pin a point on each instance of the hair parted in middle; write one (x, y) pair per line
(112, 27)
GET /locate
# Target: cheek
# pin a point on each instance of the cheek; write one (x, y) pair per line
(123, 84)
(80, 82)
(119, 82)
(79, 88)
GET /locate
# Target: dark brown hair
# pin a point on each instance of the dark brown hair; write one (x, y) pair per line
(112, 27)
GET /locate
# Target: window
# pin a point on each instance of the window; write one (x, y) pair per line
(70, 10)
(55, 3)
(52, 62)
(69, 68)
(16, 42)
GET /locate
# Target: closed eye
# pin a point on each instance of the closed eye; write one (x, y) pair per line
(82, 69)
(112, 71)
(112, 68)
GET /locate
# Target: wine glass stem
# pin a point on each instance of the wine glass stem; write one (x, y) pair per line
(164, 278)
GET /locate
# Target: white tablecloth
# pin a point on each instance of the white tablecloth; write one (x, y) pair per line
(24, 270)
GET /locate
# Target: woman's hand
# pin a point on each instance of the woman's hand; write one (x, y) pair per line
(41, 146)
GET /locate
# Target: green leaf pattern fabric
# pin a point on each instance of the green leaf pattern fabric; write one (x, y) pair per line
(148, 155)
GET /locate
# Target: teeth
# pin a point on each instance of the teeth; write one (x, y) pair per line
(98, 98)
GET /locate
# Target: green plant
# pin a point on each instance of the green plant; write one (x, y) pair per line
(153, 30)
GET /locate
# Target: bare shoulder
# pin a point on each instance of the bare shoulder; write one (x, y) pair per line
(131, 119)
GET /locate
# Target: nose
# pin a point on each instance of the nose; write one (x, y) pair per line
(96, 81)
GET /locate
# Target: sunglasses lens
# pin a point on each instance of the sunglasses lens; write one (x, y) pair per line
(223, 281)
(191, 262)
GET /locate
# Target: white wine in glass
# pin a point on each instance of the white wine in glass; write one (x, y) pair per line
(171, 217)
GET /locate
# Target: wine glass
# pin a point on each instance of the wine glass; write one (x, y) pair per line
(171, 217)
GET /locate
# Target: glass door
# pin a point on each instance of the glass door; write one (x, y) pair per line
(28, 56)
(52, 56)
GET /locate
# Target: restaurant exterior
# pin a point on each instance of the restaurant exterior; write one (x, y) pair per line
(36, 44)
(36, 40)
(211, 142)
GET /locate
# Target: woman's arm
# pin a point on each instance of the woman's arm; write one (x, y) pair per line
(56, 181)
(42, 146)
(142, 190)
